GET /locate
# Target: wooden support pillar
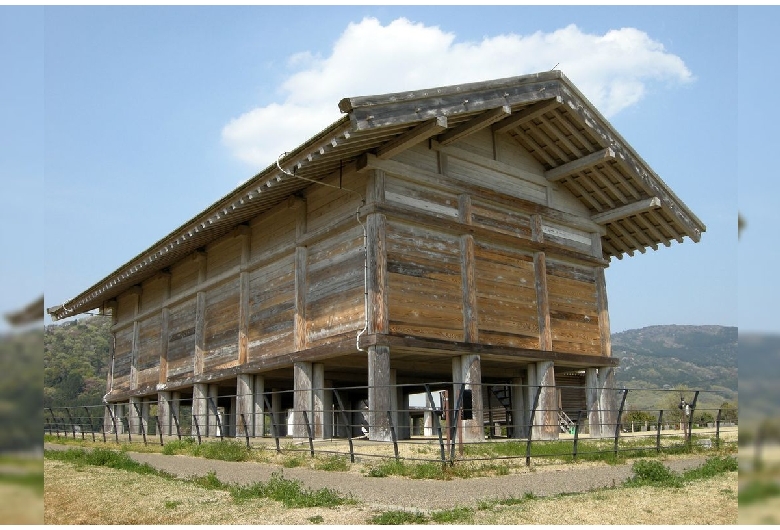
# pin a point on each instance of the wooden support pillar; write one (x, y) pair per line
(200, 407)
(607, 400)
(322, 403)
(603, 309)
(175, 411)
(135, 293)
(165, 315)
(200, 317)
(517, 393)
(163, 370)
(470, 373)
(245, 404)
(592, 401)
(547, 415)
(468, 273)
(379, 393)
(302, 381)
(214, 425)
(299, 324)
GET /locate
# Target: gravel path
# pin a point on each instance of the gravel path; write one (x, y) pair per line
(403, 493)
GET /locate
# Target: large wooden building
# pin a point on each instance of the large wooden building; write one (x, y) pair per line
(457, 234)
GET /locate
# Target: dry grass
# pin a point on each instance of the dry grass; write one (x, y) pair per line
(712, 501)
(78, 495)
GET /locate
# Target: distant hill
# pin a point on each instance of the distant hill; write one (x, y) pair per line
(697, 357)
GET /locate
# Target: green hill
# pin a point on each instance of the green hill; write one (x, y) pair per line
(670, 357)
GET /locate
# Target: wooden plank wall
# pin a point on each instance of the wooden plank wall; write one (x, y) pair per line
(573, 308)
(424, 265)
(263, 254)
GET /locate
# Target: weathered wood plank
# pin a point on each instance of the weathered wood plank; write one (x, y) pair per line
(542, 302)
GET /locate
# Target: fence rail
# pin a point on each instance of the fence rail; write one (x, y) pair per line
(430, 427)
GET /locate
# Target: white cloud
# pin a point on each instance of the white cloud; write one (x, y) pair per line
(613, 70)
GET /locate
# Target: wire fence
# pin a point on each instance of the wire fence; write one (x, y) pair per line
(442, 421)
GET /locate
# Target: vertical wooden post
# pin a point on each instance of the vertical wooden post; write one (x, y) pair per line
(379, 390)
(592, 402)
(302, 381)
(603, 309)
(299, 324)
(547, 414)
(468, 274)
(200, 317)
(199, 405)
(165, 313)
(244, 403)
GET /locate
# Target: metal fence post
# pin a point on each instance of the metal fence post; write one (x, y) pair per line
(690, 418)
(159, 430)
(197, 427)
(717, 429)
(91, 428)
(392, 434)
(658, 431)
(435, 417)
(70, 421)
(576, 434)
(140, 421)
(216, 415)
(54, 420)
(455, 427)
(246, 431)
(308, 432)
(619, 419)
(113, 421)
(274, 432)
(347, 423)
(175, 419)
(531, 426)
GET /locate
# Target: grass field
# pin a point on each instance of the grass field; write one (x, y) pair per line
(76, 493)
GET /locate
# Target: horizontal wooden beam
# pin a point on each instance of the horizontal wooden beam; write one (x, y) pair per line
(527, 114)
(416, 135)
(634, 208)
(575, 166)
(486, 119)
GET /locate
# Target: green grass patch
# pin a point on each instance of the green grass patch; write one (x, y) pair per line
(291, 493)
(396, 517)
(316, 519)
(293, 461)
(185, 446)
(227, 450)
(171, 505)
(332, 463)
(104, 458)
(454, 516)
(422, 470)
(757, 491)
(654, 473)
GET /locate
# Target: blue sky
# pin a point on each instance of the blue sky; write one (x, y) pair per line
(126, 121)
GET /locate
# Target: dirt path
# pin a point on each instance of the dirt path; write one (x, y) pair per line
(403, 493)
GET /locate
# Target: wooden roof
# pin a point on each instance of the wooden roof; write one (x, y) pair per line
(544, 112)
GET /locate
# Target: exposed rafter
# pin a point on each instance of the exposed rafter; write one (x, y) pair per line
(486, 119)
(575, 166)
(422, 132)
(528, 113)
(634, 208)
